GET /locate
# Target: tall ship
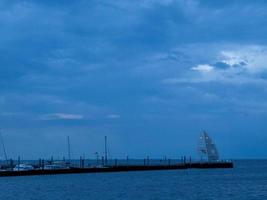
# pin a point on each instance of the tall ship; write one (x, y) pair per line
(207, 149)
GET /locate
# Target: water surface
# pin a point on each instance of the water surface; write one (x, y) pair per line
(248, 180)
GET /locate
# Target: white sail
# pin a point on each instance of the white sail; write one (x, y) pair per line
(207, 149)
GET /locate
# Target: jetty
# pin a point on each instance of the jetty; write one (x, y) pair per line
(122, 168)
(209, 159)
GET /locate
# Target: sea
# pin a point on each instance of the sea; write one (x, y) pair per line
(248, 180)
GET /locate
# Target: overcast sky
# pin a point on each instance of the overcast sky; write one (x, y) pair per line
(149, 74)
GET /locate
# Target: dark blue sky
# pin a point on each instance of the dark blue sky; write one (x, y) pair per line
(149, 74)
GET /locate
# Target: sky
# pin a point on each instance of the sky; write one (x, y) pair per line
(148, 74)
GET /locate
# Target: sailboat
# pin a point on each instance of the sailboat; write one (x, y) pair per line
(207, 149)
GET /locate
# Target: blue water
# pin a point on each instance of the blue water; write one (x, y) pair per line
(248, 180)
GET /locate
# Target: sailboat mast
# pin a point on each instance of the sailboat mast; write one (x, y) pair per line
(3, 145)
(106, 153)
(68, 140)
(205, 135)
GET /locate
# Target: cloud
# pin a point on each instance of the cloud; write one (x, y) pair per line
(61, 116)
(203, 68)
(232, 58)
(251, 58)
(234, 64)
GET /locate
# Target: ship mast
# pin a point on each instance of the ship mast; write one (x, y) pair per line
(106, 152)
(68, 141)
(3, 145)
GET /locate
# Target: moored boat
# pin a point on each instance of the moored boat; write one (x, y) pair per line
(23, 167)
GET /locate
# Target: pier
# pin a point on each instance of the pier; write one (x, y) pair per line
(117, 168)
(207, 149)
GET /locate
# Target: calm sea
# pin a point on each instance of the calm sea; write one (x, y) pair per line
(248, 180)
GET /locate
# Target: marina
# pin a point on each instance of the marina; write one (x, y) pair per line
(208, 153)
